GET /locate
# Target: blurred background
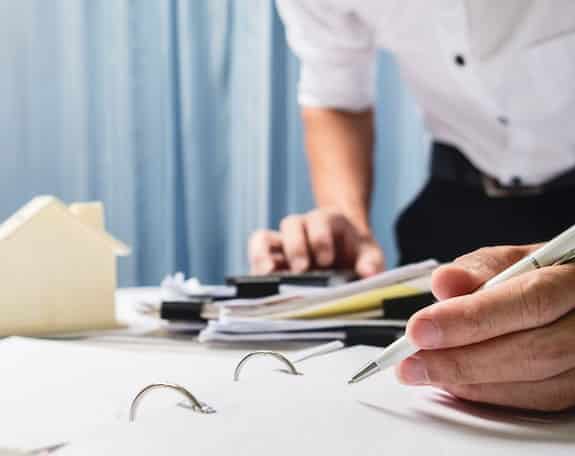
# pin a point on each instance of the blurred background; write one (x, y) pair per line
(181, 116)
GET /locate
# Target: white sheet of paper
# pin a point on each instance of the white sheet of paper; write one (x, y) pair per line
(52, 391)
(241, 325)
(240, 329)
(273, 336)
(317, 413)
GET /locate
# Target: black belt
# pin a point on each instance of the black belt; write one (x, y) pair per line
(448, 163)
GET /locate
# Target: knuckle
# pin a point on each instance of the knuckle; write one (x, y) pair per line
(490, 260)
(476, 322)
(258, 236)
(296, 251)
(460, 370)
(296, 248)
(450, 368)
(319, 233)
(320, 215)
(494, 257)
(537, 299)
(258, 242)
(482, 255)
(290, 221)
(320, 241)
(479, 262)
(533, 360)
(544, 357)
(506, 255)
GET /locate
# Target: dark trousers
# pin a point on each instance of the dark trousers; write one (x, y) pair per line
(449, 218)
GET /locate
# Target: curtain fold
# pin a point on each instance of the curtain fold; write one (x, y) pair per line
(181, 116)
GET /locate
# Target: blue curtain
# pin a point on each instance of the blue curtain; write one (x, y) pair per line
(181, 116)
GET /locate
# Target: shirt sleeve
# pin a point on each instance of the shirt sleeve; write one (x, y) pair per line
(336, 51)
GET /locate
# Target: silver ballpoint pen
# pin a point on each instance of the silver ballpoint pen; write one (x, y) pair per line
(559, 250)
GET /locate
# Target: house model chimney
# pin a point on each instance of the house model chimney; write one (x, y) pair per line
(91, 214)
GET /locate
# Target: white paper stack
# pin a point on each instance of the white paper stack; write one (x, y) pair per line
(342, 313)
(338, 300)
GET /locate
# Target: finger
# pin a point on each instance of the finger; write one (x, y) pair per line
(552, 395)
(279, 261)
(531, 300)
(525, 356)
(467, 273)
(295, 243)
(265, 251)
(346, 239)
(370, 259)
(321, 238)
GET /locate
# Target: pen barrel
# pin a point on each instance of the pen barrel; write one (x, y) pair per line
(525, 265)
(557, 248)
(398, 351)
(546, 255)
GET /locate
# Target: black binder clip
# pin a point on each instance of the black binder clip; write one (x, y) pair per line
(252, 287)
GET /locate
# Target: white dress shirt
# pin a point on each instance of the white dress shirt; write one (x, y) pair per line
(495, 78)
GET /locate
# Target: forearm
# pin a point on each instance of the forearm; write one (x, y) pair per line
(340, 152)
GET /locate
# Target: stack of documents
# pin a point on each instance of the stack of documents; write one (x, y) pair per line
(355, 312)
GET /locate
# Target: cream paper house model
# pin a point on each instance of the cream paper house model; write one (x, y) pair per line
(57, 269)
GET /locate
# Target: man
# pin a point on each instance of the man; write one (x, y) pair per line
(496, 84)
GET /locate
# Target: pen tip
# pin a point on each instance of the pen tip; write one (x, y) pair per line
(367, 371)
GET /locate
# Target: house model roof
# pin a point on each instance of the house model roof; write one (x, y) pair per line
(39, 204)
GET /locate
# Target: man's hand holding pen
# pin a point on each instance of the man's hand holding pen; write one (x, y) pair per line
(512, 344)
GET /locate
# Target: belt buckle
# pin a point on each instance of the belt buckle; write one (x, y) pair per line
(494, 189)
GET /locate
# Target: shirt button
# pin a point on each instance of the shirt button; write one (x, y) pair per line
(516, 181)
(459, 60)
(503, 120)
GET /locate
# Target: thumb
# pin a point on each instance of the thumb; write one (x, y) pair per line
(467, 273)
(370, 259)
